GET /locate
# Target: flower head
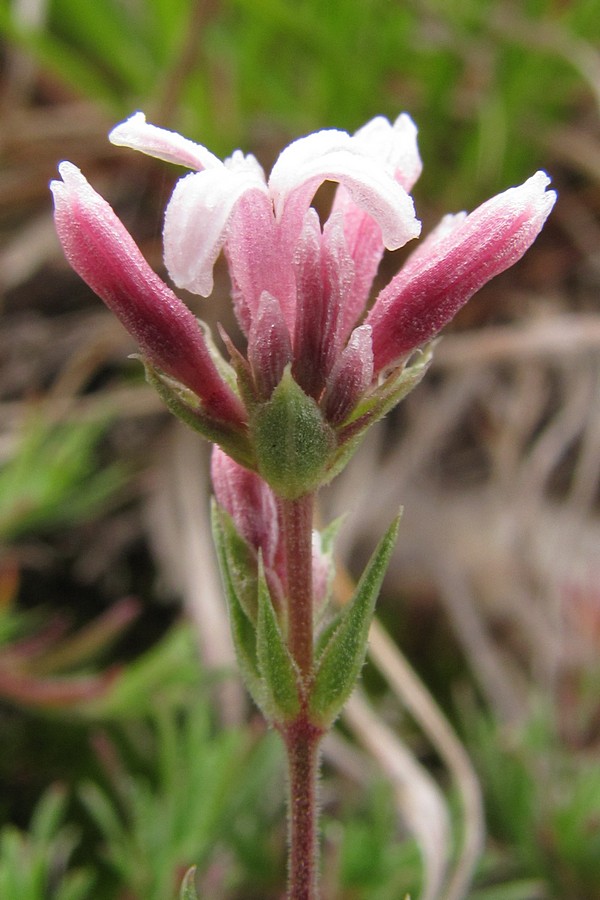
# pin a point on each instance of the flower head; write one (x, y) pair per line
(317, 362)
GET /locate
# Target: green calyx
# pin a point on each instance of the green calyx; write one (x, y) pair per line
(292, 440)
(184, 404)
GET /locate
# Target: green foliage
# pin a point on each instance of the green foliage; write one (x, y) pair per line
(486, 82)
(41, 486)
(175, 799)
(233, 560)
(33, 866)
(173, 789)
(162, 676)
(342, 656)
(543, 801)
(374, 862)
(109, 51)
(279, 673)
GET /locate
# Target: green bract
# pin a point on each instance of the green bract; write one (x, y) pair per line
(345, 646)
(292, 440)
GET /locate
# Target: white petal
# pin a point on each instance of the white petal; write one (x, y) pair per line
(298, 162)
(240, 162)
(335, 156)
(196, 223)
(394, 145)
(138, 134)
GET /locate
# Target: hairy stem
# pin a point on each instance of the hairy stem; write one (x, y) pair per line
(302, 742)
(301, 737)
(297, 528)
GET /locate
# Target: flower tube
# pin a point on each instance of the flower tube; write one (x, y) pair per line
(102, 251)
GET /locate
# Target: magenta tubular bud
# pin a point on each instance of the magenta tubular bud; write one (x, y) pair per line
(350, 377)
(452, 264)
(104, 254)
(250, 503)
(269, 346)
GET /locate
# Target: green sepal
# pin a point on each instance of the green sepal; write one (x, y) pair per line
(377, 404)
(292, 439)
(188, 886)
(280, 676)
(225, 370)
(242, 629)
(242, 564)
(184, 404)
(345, 646)
(395, 388)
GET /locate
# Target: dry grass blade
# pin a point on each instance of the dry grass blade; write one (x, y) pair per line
(414, 696)
(420, 802)
(181, 536)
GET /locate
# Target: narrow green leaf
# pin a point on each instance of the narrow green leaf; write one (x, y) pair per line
(242, 629)
(57, 56)
(344, 654)
(49, 813)
(242, 564)
(278, 670)
(188, 886)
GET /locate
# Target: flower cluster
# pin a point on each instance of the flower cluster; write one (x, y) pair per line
(319, 368)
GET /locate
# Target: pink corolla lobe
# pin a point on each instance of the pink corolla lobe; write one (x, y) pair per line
(102, 251)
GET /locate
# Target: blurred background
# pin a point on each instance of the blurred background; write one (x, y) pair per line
(468, 764)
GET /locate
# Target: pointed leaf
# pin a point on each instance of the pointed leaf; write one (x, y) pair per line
(242, 564)
(344, 654)
(277, 668)
(188, 886)
(242, 629)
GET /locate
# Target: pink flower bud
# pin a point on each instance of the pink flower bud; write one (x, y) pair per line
(102, 251)
(454, 263)
(250, 503)
(351, 376)
(324, 273)
(269, 346)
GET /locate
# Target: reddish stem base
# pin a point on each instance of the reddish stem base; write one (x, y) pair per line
(302, 740)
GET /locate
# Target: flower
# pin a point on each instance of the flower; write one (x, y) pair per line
(456, 260)
(300, 287)
(101, 250)
(231, 204)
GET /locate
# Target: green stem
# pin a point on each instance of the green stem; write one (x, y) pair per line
(301, 737)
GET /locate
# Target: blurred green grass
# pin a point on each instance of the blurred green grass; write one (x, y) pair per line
(485, 81)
